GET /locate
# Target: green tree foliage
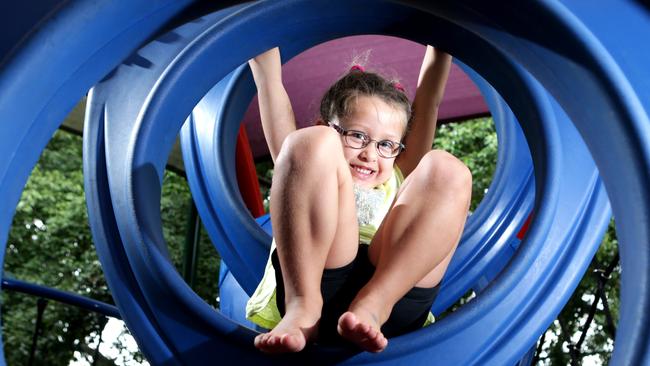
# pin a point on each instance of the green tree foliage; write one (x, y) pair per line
(50, 244)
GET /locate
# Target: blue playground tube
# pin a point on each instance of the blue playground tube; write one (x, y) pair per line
(579, 68)
(177, 74)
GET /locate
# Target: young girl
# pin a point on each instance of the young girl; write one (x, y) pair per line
(356, 177)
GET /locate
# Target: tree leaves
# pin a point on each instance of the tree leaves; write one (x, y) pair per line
(50, 244)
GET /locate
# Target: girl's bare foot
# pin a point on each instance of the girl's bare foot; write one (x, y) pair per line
(362, 328)
(297, 327)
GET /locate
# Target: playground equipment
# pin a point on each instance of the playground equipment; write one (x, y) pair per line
(576, 76)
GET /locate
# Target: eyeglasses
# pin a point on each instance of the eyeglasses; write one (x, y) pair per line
(358, 140)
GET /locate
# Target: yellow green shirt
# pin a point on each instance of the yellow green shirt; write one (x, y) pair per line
(262, 308)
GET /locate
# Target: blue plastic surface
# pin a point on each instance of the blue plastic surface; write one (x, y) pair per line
(580, 67)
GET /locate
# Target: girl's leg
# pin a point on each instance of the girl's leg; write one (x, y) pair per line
(312, 206)
(414, 244)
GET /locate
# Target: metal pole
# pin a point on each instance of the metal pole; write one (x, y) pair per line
(40, 308)
(191, 252)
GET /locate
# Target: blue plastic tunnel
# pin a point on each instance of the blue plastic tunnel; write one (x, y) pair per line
(568, 72)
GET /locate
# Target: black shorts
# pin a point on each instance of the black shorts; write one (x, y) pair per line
(339, 287)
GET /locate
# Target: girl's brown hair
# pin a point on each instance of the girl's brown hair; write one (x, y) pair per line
(337, 103)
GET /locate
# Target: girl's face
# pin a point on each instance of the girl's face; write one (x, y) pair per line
(380, 121)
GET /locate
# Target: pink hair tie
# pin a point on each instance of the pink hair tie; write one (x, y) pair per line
(399, 87)
(357, 68)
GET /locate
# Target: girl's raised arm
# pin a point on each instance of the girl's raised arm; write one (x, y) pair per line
(276, 113)
(430, 89)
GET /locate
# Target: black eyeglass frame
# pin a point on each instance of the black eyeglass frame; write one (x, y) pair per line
(367, 140)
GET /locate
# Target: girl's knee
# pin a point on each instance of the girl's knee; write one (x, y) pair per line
(440, 169)
(311, 145)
